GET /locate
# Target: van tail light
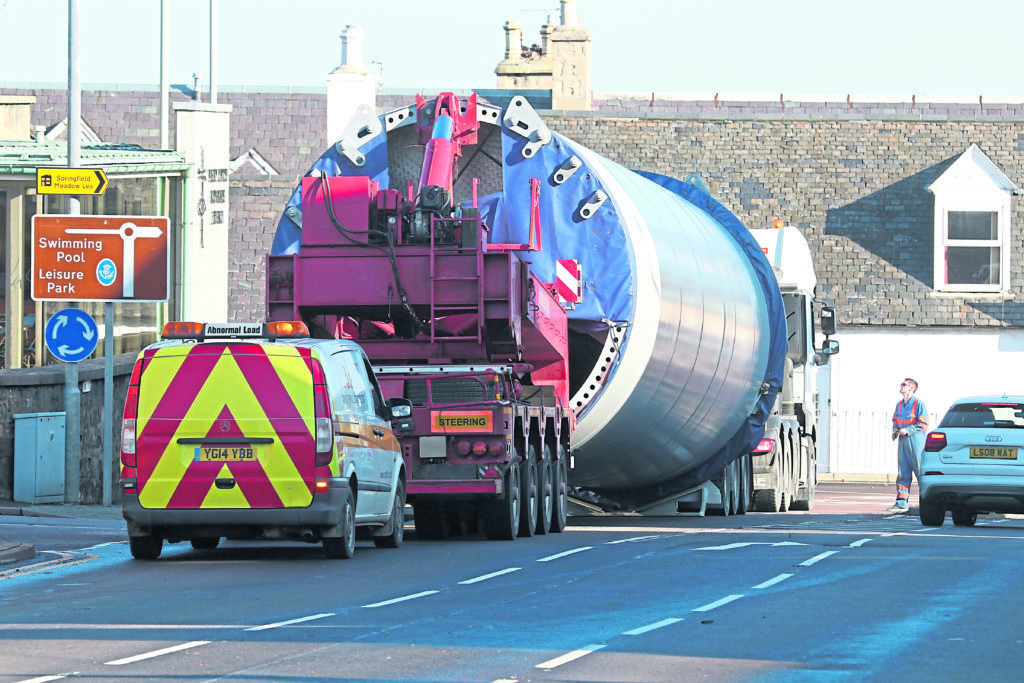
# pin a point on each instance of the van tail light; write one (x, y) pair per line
(936, 441)
(131, 411)
(764, 446)
(322, 410)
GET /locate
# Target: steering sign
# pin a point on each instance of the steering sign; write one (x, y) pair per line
(71, 335)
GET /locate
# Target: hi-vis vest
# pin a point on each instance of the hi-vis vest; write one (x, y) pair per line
(910, 413)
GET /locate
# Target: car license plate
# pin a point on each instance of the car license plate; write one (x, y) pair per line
(994, 453)
(225, 454)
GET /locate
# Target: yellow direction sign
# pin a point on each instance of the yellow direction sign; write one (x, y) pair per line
(70, 181)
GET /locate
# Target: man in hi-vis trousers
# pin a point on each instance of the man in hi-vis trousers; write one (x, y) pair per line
(909, 425)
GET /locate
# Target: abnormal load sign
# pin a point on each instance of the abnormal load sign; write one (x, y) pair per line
(99, 258)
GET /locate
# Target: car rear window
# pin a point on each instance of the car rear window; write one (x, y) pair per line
(985, 414)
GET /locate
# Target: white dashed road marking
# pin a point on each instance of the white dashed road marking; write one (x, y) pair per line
(817, 558)
(489, 576)
(652, 627)
(718, 603)
(157, 653)
(290, 622)
(401, 599)
(568, 657)
(566, 553)
(771, 582)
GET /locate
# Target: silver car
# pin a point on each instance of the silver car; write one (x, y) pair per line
(974, 461)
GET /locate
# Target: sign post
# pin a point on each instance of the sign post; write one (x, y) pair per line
(96, 258)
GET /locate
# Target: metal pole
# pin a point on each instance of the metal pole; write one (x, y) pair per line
(213, 51)
(108, 399)
(165, 48)
(72, 395)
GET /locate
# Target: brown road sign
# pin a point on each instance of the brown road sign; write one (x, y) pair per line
(100, 258)
(70, 181)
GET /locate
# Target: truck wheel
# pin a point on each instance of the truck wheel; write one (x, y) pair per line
(560, 493)
(528, 495)
(501, 517)
(431, 524)
(394, 539)
(205, 543)
(343, 547)
(768, 500)
(932, 514)
(545, 490)
(145, 547)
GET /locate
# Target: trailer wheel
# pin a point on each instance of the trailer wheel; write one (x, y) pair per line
(501, 515)
(560, 493)
(545, 491)
(746, 485)
(725, 485)
(528, 486)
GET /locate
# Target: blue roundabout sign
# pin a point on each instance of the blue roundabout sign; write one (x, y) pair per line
(71, 335)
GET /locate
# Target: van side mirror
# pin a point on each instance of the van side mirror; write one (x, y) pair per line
(400, 407)
(828, 321)
(829, 347)
(401, 414)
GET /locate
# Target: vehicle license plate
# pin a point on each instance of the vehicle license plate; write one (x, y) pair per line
(225, 454)
(990, 452)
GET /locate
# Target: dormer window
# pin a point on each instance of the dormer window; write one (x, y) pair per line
(972, 225)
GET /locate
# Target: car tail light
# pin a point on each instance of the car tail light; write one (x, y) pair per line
(479, 448)
(496, 448)
(131, 411)
(322, 410)
(463, 448)
(764, 446)
(936, 441)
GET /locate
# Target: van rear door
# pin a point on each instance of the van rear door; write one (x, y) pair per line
(226, 426)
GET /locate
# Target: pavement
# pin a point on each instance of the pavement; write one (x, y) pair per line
(18, 552)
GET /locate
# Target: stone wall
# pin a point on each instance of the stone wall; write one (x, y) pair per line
(41, 390)
(256, 206)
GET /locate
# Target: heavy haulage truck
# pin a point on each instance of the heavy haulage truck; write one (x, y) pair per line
(560, 324)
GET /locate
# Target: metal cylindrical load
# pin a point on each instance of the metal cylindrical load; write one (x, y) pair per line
(682, 314)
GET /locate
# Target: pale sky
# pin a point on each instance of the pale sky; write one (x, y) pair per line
(893, 48)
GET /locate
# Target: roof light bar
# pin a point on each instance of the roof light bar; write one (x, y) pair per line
(203, 331)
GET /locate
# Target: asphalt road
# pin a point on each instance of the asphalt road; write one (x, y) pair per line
(836, 593)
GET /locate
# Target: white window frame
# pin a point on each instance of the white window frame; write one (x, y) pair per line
(990, 202)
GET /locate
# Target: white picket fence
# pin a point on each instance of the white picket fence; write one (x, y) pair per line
(861, 443)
